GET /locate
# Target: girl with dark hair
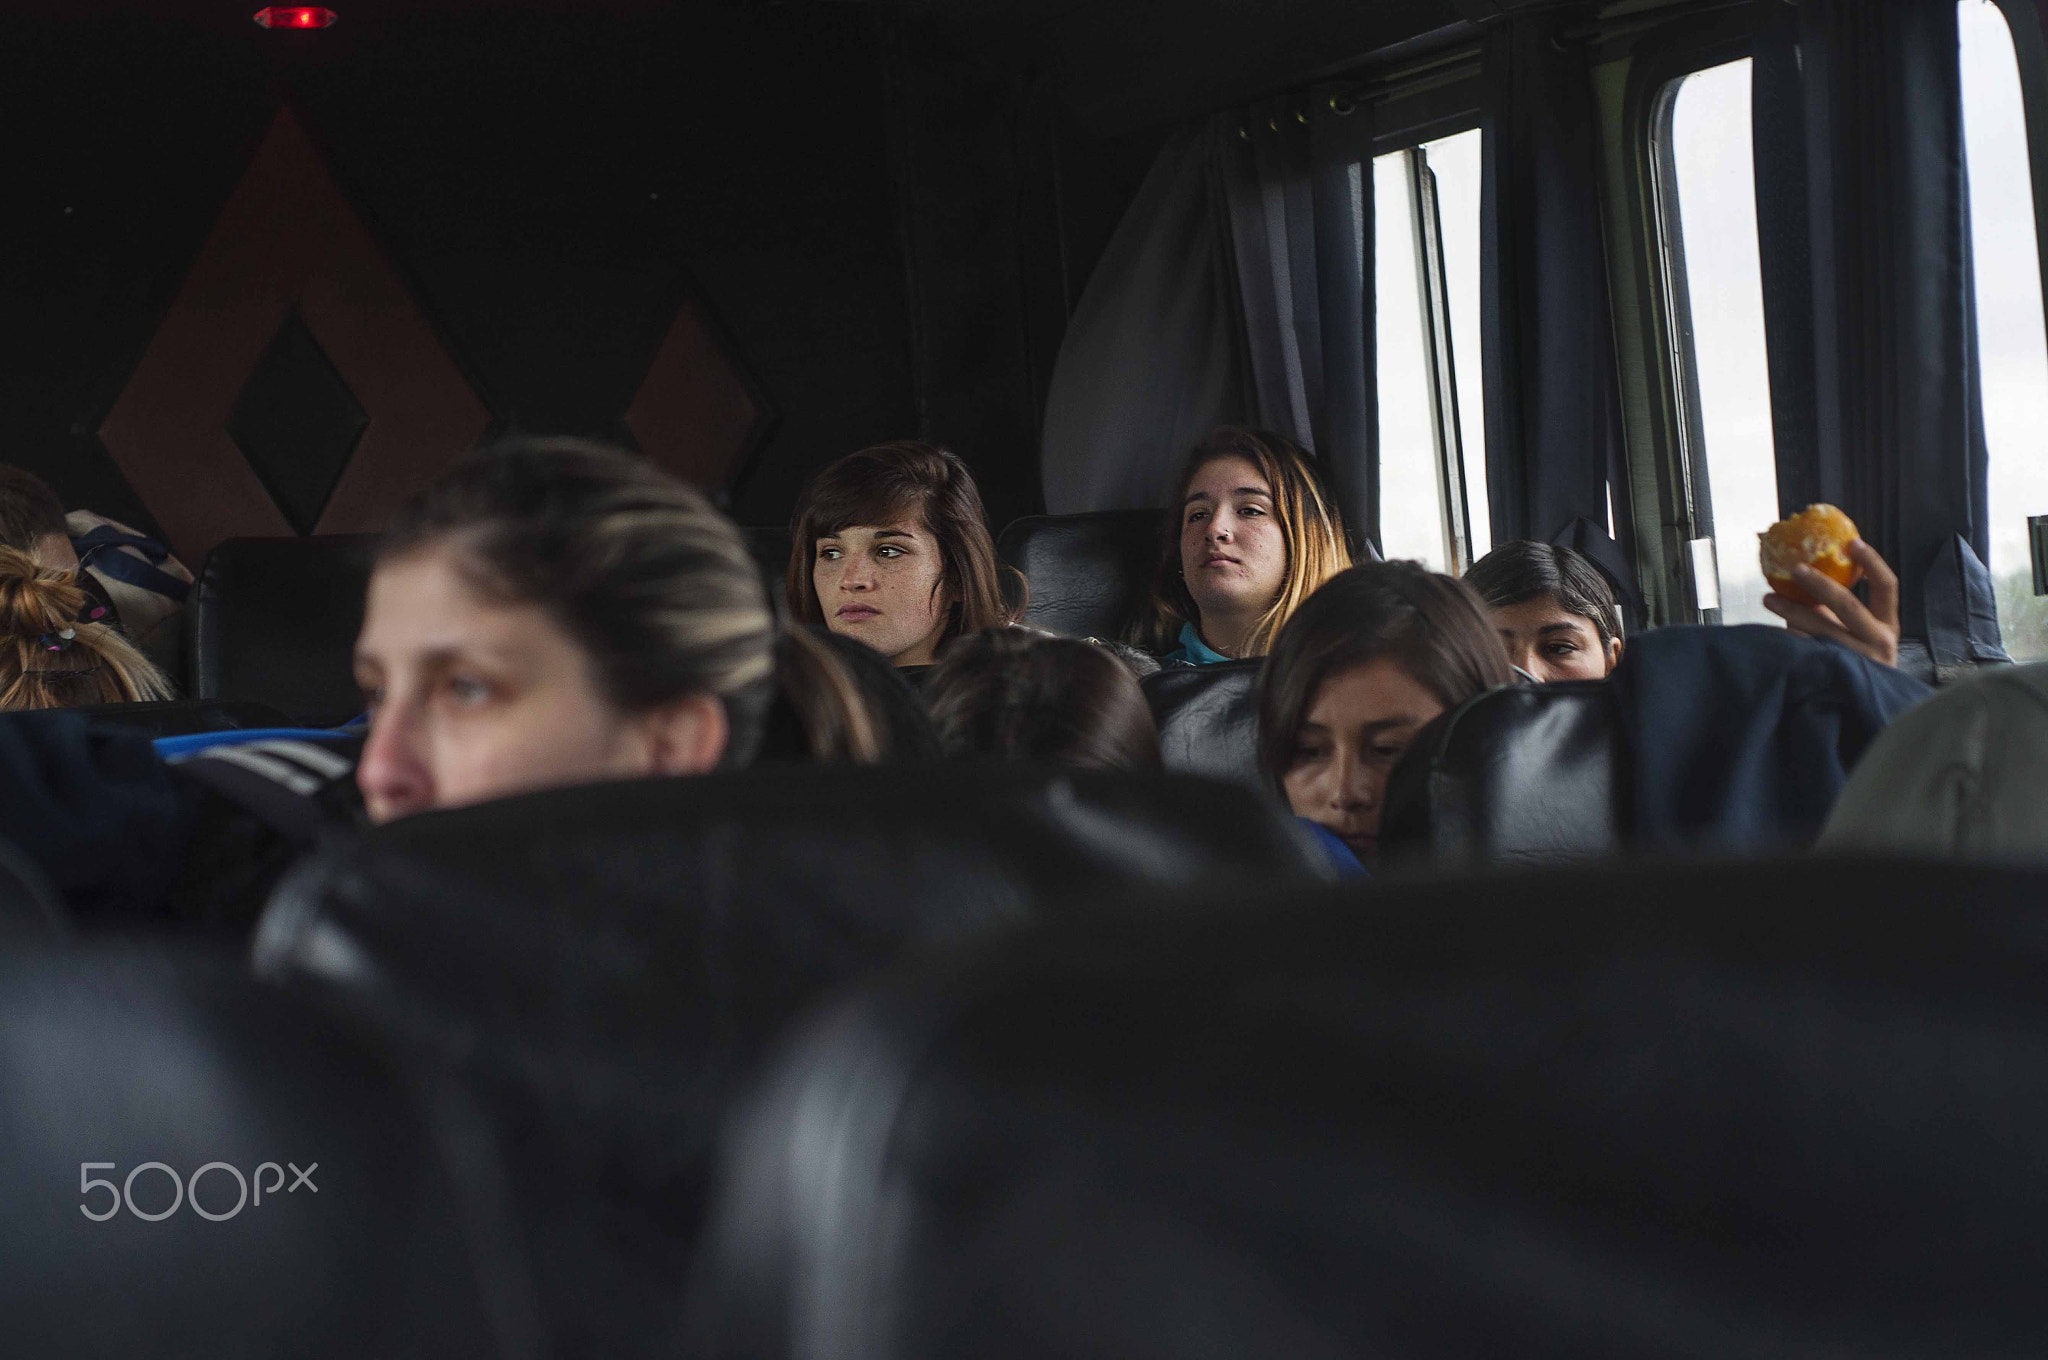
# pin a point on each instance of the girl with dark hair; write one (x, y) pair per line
(1553, 609)
(1367, 662)
(1248, 536)
(889, 546)
(1019, 694)
(555, 612)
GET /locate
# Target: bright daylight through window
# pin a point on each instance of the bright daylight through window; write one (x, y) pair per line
(1416, 443)
(2012, 351)
(1715, 239)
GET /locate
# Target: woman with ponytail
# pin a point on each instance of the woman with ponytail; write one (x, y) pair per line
(555, 612)
(48, 659)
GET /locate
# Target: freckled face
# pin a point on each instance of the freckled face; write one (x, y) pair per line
(1553, 644)
(1360, 723)
(471, 700)
(885, 585)
(1232, 553)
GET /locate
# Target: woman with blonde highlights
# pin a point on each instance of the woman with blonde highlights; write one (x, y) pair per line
(554, 612)
(48, 659)
(1250, 534)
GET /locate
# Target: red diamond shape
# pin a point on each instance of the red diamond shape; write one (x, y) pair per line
(694, 414)
(287, 235)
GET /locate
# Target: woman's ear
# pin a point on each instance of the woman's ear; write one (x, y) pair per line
(1613, 654)
(687, 736)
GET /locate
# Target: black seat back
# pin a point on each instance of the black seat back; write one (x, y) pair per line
(608, 963)
(1531, 774)
(30, 906)
(1742, 1110)
(1090, 575)
(121, 1072)
(769, 543)
(1208, 719)
(274, 621)
(184, 717)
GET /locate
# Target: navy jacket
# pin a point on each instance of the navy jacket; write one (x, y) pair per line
(1741, 737)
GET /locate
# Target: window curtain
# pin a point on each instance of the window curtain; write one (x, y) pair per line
(1862, 209)
(1553, 416)
(1154, 354)
(1237, 289)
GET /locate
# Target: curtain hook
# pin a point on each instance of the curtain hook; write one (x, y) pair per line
(1342, 106)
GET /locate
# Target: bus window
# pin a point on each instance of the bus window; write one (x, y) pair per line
(1455, 160)
(2012, 353)
(1710, 242)
(1433, 505)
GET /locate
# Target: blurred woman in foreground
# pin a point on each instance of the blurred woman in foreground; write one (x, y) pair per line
(554, 612)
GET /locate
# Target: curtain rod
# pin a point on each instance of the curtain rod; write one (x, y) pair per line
(1627, 25)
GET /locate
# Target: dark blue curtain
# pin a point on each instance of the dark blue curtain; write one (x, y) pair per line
(1553, 417)
(1863, 227)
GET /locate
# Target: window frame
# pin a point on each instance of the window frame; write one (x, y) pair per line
(1446, 100)
(2030, 52)
(1662, 407)
(1439, 357)
(2030, 55)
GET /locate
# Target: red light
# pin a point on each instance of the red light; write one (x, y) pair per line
(296, 16)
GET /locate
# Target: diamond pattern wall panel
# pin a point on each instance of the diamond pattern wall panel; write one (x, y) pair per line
(287, 242)
(297, 423)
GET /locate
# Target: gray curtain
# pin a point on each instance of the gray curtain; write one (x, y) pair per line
(1236, 290)
(1154, 352)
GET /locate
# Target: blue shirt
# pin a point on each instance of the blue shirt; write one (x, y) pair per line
(1341, 857)
(1192, 650)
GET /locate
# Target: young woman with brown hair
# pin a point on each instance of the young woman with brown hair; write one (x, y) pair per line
(49, 659)
(1248, 536)
(889, 546)
(1367, 662)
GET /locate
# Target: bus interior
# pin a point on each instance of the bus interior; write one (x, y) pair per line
(1611, 1052)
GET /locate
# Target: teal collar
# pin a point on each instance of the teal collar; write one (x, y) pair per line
(1193, 650)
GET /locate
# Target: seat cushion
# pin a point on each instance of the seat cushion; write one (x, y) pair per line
(1090, 575)
(1530, 774)
(274, 621)
(1208, 719)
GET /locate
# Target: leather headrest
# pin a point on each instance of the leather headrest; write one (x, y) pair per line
(155, 1114)
(1591, 1113)
(608, 963)
(274, 621)
(1208, 719)
(1529, 774)
(1090, 575)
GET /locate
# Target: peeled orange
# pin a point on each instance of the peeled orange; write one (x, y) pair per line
(1818, 537)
